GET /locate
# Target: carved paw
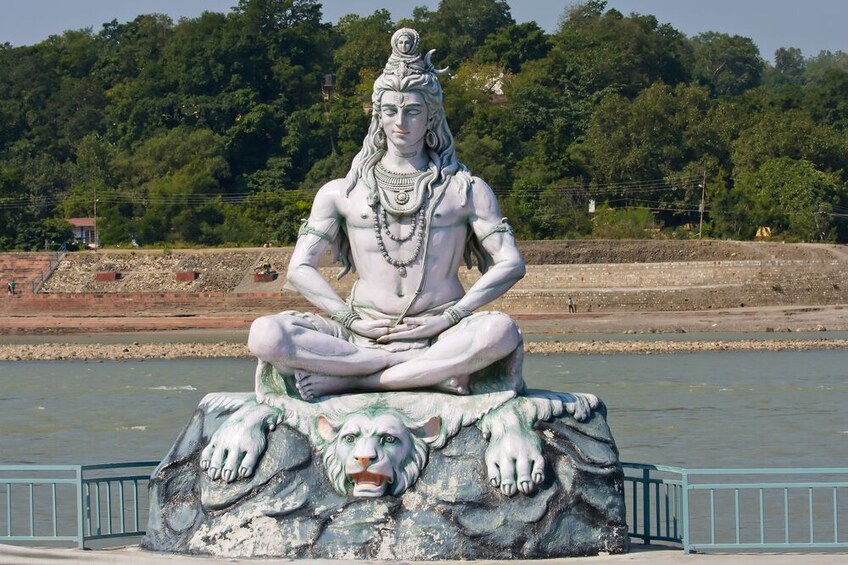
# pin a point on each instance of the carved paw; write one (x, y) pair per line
(235, 448)
(580, 405)
(514, 462)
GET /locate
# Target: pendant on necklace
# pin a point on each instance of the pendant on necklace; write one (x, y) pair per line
(402, 271)
(402, 198)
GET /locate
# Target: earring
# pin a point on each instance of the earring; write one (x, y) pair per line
(430, 139)
(379, 139)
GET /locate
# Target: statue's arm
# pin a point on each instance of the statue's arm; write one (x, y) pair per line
(508, 265)
(320, 230)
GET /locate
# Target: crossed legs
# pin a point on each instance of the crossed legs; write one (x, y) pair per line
(325, 364)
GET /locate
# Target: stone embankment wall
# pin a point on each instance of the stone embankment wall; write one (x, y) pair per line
(734, 274)
(687, 285)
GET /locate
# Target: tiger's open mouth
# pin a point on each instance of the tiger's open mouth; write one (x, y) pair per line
(366, 477)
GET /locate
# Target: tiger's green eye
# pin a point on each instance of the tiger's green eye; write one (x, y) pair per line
(387, 438)
(348, 438)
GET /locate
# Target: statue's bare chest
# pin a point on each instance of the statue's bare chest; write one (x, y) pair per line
(359, 215)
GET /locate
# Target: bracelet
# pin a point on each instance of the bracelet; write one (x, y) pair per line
(456, 313)
(345, 317)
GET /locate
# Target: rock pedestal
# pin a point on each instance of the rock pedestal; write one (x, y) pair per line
(289, 508)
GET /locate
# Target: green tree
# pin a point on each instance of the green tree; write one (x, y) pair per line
(513, 45)
(173, 180)
(796, 200)
(827, 99)
(598, 53)
(459, 27)
(624, 223)
(362, 53)
(632, 145)
(265, 216)
(727, 64)
(791, 134)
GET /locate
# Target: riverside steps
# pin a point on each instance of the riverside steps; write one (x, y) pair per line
(601, 276)
(28, 270)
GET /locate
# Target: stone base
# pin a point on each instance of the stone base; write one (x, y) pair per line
(288, 508)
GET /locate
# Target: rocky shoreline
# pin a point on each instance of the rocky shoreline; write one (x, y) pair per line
(145, 351)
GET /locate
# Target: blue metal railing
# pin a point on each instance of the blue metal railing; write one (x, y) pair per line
(699, 509)
(711, 509)
(51, 266)
(76, 503)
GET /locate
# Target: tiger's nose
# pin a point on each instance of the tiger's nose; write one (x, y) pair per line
(365, 460)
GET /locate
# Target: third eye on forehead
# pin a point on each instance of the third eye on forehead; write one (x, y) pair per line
(396, 102)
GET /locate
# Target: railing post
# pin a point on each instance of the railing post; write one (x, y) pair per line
(685, 510)
(80, 511)
(646, 505)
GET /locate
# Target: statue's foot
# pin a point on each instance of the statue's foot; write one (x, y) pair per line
(454, 385)
(311, 385)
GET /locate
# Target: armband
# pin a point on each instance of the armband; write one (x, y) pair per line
(305, 228)
(345, 317)
(500, 227)
(455, 314)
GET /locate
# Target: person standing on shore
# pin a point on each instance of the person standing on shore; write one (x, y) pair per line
(571, 308)
(11, 287)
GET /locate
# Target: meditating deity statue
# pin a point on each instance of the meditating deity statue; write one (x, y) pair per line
(405, 393)
(404, 218)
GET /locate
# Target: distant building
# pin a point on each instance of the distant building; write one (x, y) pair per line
(84, 231)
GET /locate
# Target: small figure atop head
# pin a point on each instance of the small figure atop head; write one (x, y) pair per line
(405, 43)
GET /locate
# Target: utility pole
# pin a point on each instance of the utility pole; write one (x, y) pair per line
(327, 88)
(96, 239)
(703, 186)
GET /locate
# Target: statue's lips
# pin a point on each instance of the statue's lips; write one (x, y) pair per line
(366, 477)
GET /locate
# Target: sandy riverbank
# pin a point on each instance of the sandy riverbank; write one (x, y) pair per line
(114, 337)
(76, 351)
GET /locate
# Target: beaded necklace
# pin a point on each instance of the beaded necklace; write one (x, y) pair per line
(381, 224)
(400, 238)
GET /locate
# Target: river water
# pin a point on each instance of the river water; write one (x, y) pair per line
(718, 409)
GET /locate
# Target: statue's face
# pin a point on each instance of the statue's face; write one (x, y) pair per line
(404, 44)
(404, 119)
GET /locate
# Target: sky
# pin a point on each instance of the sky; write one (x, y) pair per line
(811, 25)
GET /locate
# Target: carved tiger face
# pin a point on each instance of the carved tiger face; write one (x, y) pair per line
(370, 455)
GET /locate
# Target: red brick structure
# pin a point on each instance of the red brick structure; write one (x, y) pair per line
(187, 276)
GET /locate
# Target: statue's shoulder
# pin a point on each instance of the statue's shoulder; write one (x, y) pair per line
(335, 187)
(479, 185)
(330, 195)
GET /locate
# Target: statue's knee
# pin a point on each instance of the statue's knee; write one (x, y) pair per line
(501, 328)
(269, 337)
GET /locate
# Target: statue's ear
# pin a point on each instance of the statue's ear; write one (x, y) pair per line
(429, 431)
(326, 429)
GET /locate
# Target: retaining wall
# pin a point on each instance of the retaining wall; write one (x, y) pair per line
(545, 288)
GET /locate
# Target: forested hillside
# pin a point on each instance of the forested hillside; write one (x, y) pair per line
(218, 130)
